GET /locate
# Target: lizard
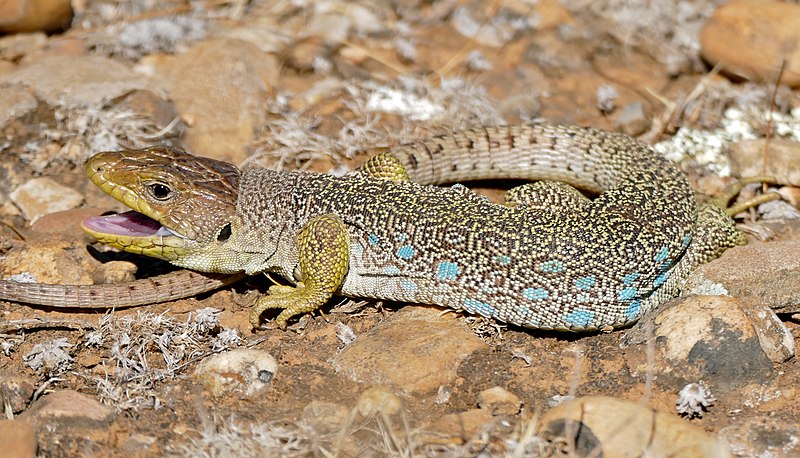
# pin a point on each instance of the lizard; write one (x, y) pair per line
(547, 258)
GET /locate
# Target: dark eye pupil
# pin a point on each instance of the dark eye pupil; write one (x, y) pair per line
(160, 191)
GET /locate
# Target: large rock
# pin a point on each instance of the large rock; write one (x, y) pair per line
(221, 88)
(751, 39)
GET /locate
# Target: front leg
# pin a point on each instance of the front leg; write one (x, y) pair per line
(323, 246)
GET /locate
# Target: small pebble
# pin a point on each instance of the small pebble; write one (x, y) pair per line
(245, 372)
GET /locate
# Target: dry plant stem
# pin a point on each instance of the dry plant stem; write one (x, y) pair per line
(770, 110)
(44, 323)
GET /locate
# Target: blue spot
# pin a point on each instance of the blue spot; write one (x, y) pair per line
(630, 278)
(401, 237)
(662, 254)
(627, 293)
(408, 285)
(585, 282)
(552, 266)
(579, 317)
(660, 280)
(447, 271)
(391, 270)
(504, 260)
(373, 239)
(665, 266)
(535, 294)
(634, 310)
(476, 306)
(687, 239)
(405, 252)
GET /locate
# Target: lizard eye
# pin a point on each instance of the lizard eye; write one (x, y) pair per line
(159, 191)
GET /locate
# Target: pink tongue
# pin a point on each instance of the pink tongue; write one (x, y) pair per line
(129, 223)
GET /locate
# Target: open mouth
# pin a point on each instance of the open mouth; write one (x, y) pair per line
(130, 224)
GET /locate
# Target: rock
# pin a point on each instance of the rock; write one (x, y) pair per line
(15, 102)
(767, 436)
(707, 338)
(791, 194)
(115, 272)
(632, 120)
(416, 350)
(499, 401)
(50, 261)
(65, 225)
(378, 399)
(79, 80)
(302, 54)
(609, 427)
(783, 163)
(40, 196)
(16, 389)
(462, 426)
(750, 39)
(67, 407)
(243, 372)
(14, 47)
(18, 439)
(758, 273)
(34, 15)
(221, 89)
(325, 417)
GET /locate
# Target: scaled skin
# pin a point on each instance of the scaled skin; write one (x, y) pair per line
(549, 258)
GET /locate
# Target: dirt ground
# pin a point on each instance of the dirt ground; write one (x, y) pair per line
(321, 86)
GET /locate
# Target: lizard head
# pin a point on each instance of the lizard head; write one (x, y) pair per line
(183, 206)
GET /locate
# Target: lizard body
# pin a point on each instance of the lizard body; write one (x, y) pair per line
(548, 258)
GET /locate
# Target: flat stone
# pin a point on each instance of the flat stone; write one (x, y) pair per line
(751, 39)
(758, 273)
(747, 160)
(14, 47)
(499, 401)
(79, 80)
(65, 225)
(325, 417)
(462, 426)
(609, 427)
(416, 350)
(40, 196)
(707, 338)
(18, 439)
(15, 102)
(68, 408)
(244, 372)
(768, 436)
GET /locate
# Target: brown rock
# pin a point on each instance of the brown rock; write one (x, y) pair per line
(114, 272)
(33, 15)
(68, 407)
(759, 273)
(50, 261)
(325, 417)
(751, 39)
(15, 102)
(16, 389)
(376, 400)
(220, 87)
(783, 160)
(773, 434)
(608, 427)
(417, 350)
(13, 47)
(499, 401)
(463, 425)
(40, 196)
(65, 225)
(18, 439)
(791, 194)
(707, 338)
